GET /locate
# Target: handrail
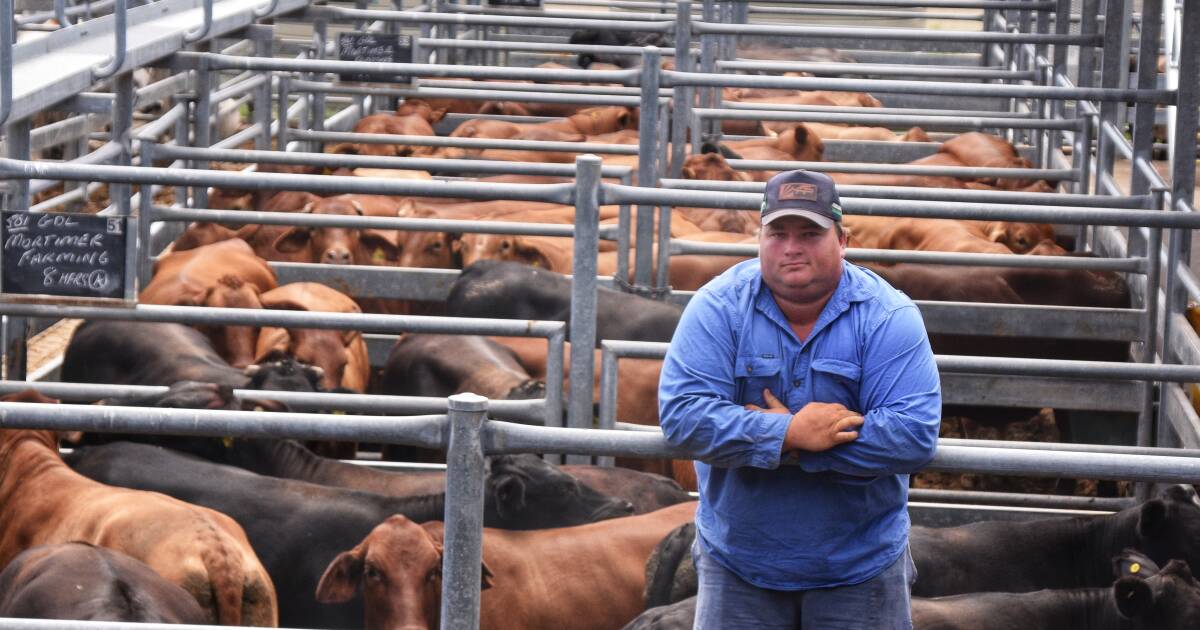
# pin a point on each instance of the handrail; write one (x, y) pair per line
(120, 14)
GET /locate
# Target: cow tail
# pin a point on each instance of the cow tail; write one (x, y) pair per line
(665, 562)
(222, 560)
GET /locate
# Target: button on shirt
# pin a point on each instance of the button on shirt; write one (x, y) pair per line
(840, 516)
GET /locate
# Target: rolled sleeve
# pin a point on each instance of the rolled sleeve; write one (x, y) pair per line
(696, 393)
(900, 394)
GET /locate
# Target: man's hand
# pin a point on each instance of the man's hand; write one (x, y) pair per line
(820, 427)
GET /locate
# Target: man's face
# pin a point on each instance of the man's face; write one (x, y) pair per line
(801, 262)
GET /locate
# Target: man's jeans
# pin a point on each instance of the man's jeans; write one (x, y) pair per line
(726, 602)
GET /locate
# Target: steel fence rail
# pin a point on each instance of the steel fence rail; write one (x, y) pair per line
(882, 117)
(1011, 499)
(636, 26)
(876, 69)
(969, 172)
(479, 93)
(465, 143)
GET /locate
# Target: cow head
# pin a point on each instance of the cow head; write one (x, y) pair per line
(335, 245)
(1020, 237)
(503, 247)
(1169, 526)
(280, 372)
(526, 492)
(712, 167)
(1168, 600)
(431, 250)
(399, 568)
(234, 343)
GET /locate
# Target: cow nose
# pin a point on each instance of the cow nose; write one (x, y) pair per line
(336, 257)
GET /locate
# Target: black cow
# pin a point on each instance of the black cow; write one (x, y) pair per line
(1169, 600)
(82, 582)
(670, 573)
(442, 365)
(145, 353)
(1055, 552)
(508, 290)
(290, 460)
(297, 528)
(592, 37)
(1019, 557)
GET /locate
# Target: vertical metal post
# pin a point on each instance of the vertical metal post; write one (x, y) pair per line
(647, 162)
(608, 398)
(16, 329)
(202, 126)
(555, 355)
(681, 95)
(1145, 428)
(122, 124)
(144, 266)
(182, 139)
(709, 97)
(1147, 71)
(1088, 25)
(583, 295)
(320, 36)
(1062, 26)
(1114, 73)
(1183, 158)
(1176, 300)
(462, 557)
(261, 101)
(281, 134)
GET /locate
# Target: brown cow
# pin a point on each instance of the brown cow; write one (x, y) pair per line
(341, 354)
(947, 235)
(588, 576)
(330, 245)
(201, 550)
(415, 120)
(225, 274)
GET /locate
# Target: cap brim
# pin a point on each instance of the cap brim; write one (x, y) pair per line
(822, 221)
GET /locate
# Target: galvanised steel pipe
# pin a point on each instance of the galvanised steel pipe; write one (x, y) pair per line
(848, 191)
(424, 431)
(781, 107)
(551, 13)
(365, 322)
(1044, 5)
(1012, 499)
(616, 194)
(334, 160)
(478, 93)
(523, 411)
(231, 62)
(328, 184)
(632, 51)
(1075, 448)
(462, 559)
(162, 213)
(883, 86)
(583, 294)
(909, 169)
(876, 69)
(120, 15)
(546, 88)
(487, 20)
(881, 117)
(896, 34)
(465, 143)
(681, 247)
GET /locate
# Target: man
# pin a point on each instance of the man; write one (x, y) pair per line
(798, 354)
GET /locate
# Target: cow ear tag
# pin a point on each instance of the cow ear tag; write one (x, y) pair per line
(378, 255)
(1135, 567)
(227, 442)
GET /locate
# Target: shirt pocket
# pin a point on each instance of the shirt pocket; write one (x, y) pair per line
(837, 381)
(753, 374)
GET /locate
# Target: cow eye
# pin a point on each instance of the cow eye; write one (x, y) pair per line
(434, 247)
(373, 574)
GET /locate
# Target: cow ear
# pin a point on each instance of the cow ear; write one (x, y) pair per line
(995, 232)
(1152, 519)
(292, 241)
(1134, 597)
(689, 172)
(486, 577)
(532, 255)
(341, 578)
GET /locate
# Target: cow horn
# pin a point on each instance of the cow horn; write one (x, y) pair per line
(358, 207)
(316, 371)
(252, 370)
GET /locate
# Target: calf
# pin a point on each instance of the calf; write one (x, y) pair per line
(201, 550)
(341, 354)
(583, 577)
(297, 527)
(509, 290)
(329, 245)
(82, 582)
(225, 274)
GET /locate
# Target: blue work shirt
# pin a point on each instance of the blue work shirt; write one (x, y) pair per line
(840, 516)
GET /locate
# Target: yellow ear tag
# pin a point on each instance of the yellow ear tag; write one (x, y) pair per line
(378, 255)
(338, 412)
(227, 442)
(1135, 567)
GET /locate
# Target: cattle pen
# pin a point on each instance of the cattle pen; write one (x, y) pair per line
(1076, 87)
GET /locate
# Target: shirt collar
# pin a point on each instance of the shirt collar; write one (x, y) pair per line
(851, 288)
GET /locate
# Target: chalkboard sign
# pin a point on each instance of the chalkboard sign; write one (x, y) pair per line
(63, 254)
(377, 47)
(516, 3)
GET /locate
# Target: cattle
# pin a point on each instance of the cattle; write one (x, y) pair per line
(669, 578)
(442, 365)
(513, 291)
(198, 549)
(341, 354)
(1054, 553)
(711, 165)
(412, 120)
(987, 151)
(82, 582)
(225, 274)
(330, 245)
(950, 235)
(827, 131)
(796, 143)
(145, 353)
(590, 576)
(593, 37)
(238, 199)
(298, 527)
(1168, 600)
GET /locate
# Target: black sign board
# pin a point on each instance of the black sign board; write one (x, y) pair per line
(63, 254)
(515, 3)
(377, 47)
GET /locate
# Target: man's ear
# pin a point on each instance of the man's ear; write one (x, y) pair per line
(1133, 596)
(342, 577)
